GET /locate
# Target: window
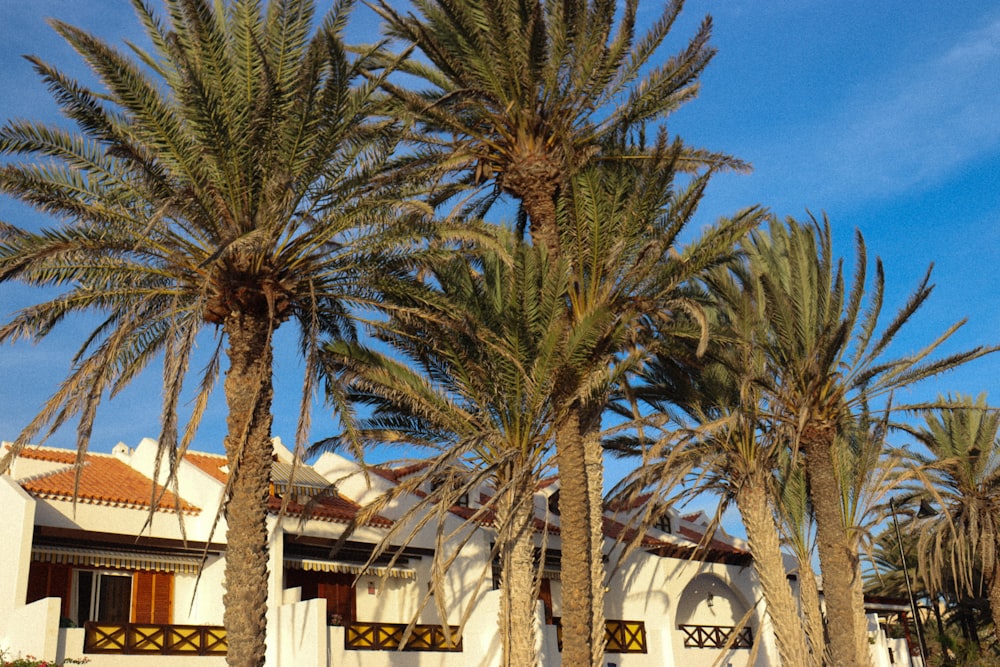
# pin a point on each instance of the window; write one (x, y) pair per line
(553, 503)
(440, 482)
(101, 596)
(109, 596)
(663, 523)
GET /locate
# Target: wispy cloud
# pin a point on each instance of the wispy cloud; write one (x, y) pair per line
(910, 128)
(925, 121)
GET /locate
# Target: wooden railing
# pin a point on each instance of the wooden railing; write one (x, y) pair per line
(715, 636)
(154, 639)
(619, 636)
(389, 637)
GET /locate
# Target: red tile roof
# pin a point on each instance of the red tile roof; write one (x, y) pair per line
(396, 474)
(713, 543)
(211, 464)
(335, 508)
(45, 454)
(104, 480)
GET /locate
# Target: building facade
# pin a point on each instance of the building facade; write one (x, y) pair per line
(92, 571)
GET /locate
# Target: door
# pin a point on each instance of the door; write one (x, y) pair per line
(114, 598)
(336, 588)
(103, 596)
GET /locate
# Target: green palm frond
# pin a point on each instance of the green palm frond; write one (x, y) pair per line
(526, 95)
(961, 475)
(237, 150)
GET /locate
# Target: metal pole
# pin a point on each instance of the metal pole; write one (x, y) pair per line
(909, 590)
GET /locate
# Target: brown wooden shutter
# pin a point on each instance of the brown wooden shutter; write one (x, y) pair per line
(545, 595)
(341, 599)
(163, 598)
(50, 580)
(142, 597)
(152, 598)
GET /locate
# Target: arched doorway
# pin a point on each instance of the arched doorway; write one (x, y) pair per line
(708, 611)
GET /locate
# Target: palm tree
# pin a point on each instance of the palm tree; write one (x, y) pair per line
(626, 296)
(524, 97)
(485, 339)
(215, 180)
(826, 357)
(799, 531)
(732, 450)
(961, 472)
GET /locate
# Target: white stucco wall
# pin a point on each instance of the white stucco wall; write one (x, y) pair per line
(661, 592)
(17, 521)
(300, 637)
(195, 486)
(33, 629)
(199, 601)
(23, 630)
(667, 592)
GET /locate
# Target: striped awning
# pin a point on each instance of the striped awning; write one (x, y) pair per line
(348, 568)
(116, 559)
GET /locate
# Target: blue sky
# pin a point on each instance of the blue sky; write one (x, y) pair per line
(882, 115)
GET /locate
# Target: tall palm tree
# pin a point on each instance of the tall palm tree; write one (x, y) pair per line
(484, 339)
(962, 472)
(217, 180)
(732, 449)
(626, 295)
(827, 359)
(523, 97)
(799, 531)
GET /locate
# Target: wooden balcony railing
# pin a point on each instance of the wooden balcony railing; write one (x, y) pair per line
(619, 636)
(154, 639)
(389, 637)
(715, 636)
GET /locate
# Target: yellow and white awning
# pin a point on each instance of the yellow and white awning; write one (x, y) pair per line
(116, 559)
(311, 565)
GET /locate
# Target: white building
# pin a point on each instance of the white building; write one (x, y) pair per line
(105, 578)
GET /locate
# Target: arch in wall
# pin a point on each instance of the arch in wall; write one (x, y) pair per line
(710, 603)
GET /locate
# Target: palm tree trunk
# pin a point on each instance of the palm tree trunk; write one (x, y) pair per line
(838, 561)
(579, 457)
(809, 599)
(517, 580)
(995, 599)
(581, 468)
(765, 546)
(248, 450)
(534, 180)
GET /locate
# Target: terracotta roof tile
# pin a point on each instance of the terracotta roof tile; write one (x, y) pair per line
(713, 543)
(335, 509)
(104, 480)
(46, 454)
(211, 464)
(398, 473)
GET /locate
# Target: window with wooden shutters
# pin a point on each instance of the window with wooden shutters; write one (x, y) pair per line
(152, 597)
